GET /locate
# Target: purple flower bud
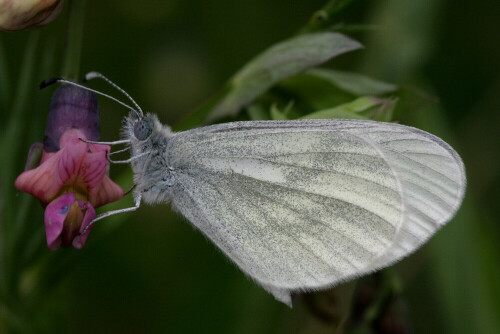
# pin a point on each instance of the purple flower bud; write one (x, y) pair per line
(71, 108)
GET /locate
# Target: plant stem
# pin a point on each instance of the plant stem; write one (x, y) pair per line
(324, 17)
(74, 37)
(4, 84)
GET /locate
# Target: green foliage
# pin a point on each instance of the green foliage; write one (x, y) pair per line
(281, 61)
(353, 83)
(366, 107)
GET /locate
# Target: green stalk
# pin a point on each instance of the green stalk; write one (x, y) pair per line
(74, 37)
(10, 144)
(4, 84)
(15, 131)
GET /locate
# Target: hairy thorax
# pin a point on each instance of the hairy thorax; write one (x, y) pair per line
(153, 176)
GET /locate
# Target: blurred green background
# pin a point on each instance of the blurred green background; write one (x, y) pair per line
(151, 272)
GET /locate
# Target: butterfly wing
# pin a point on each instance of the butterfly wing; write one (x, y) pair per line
(301, 205)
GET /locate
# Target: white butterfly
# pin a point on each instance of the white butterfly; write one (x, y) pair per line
(300, 205)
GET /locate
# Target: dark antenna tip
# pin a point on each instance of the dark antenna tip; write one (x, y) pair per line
(48, 82)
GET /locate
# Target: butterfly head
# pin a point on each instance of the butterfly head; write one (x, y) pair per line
(146, 133)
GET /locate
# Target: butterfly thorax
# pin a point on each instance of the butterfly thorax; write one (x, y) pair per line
(153, 176)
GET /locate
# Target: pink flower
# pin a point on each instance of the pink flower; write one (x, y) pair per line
(71, 180)
(21, 14)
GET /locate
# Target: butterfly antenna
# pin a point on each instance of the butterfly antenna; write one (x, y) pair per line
(93, 75)
(52, 81)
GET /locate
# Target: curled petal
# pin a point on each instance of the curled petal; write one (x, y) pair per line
(55, 214)
(90, 215)
(41, 182)
(107, 192)
(65, 219)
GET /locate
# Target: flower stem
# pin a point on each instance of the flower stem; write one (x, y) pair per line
(74, 36)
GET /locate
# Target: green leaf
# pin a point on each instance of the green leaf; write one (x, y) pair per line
(385, 112)
(257, 112)
(361, 108)
(312, 93)
(279, 62)
(277, 114)
(334, 113)
(318, 89)
(353, 83)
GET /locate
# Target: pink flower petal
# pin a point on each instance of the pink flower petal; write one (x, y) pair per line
(47, 155)
(55, 215)
(95, 165)
(107, 192)
(70, 161)
(41, 182)
(72, 137)
(90, 215)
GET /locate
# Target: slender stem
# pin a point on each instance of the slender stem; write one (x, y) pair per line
(324, 17)
(5, 91)
(74, 37)
(11, 139)
(389, 287)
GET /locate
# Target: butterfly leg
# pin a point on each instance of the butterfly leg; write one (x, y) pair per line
(137, 200)
(120, 151)
(116, 142)
(128, 160)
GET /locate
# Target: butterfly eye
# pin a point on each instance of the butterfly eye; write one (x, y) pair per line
(142, 130)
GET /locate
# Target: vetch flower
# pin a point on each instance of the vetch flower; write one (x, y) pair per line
(22, 14)
(71, 180)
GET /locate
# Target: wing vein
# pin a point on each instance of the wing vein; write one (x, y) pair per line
(421, 164)
(306, 216)
(301, 166)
